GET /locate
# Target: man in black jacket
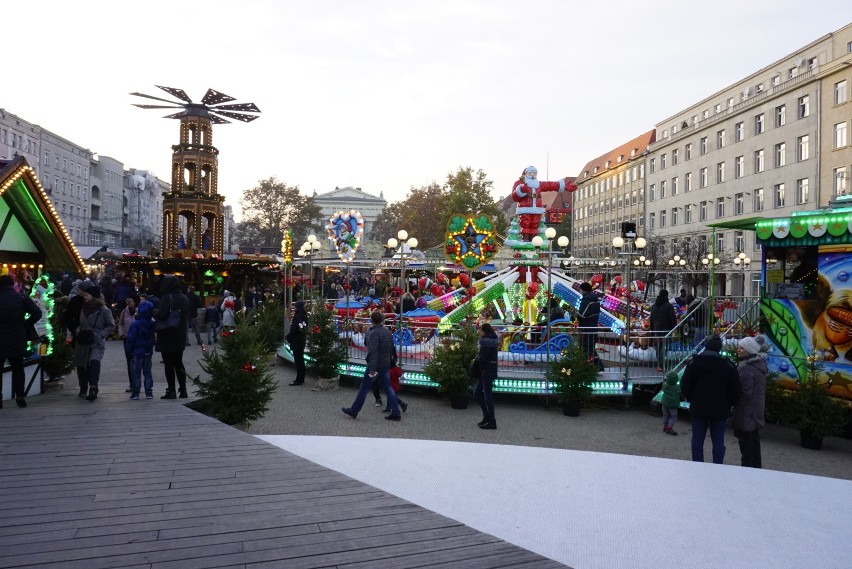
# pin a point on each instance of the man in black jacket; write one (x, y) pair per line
(588, 314)
(379, 350)
(711, 384)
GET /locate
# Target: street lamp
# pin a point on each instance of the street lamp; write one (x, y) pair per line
(742, 261)
(677, 263)
(392, 244)
(537, 242)
(629, 245)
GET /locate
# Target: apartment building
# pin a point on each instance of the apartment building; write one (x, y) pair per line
(610, 190)
(763, 146)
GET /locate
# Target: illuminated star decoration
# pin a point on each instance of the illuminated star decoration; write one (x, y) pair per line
(470, 240)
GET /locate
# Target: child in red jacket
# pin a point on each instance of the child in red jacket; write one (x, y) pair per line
(395, 373)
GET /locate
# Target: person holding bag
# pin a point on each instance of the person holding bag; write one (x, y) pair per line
(13, 334)
(96, 324)
(171, 321)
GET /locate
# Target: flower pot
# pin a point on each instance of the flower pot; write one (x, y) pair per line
(458, 401)
(810, 441)
(571, 408)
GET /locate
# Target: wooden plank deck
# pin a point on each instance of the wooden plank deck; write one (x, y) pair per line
(154, 485)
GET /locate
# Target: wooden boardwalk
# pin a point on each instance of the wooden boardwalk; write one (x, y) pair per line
(152, 484)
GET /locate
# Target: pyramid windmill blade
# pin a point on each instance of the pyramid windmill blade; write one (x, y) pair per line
(218, 120)
(157, 106)
(176, 115)
(242, 107)
(155, 98)
(239, 117)
(213, 97)
(179, 93)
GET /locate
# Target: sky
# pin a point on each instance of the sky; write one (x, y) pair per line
(388, 95)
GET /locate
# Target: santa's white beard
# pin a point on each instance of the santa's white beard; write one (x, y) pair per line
(531, 183)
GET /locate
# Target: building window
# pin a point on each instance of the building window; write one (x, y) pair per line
(720, 138)
(687, 182)
(792, 72)
(720, 172)
(739, 204)
(652, 220)
(663, 218)
(652, 192)
(675, 153)
(803, 148)
(758, 200)
(840, 92)
(663, 161)
(687, 214)
(702, 211)
(780, 154)
(652, 165)
(720, 242)
(839, 181)
(687, 152)
(702, 178)
(804, 106)
(739, 131)
(717, 109)
(759, 125)
(758, 161)
(662, 189)
(802, 191)
(780, 116)
(674, 216)
(739, 167)
(779, 195)
(720, 207)
(739, 241)
(674, 187)
(840, 135)
(702, 146)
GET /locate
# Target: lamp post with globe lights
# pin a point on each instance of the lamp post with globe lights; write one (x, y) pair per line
(538, 242)
(630, 245)
(742, 261)
(402, 240)
(677, 264)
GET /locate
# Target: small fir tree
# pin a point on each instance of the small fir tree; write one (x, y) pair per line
(451, 359)
(572, 374)
(268, 319)
(326, 349)
(241, 382)
(58, 361)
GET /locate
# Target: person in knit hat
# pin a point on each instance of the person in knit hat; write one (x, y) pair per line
(749, 410)
(670, 402)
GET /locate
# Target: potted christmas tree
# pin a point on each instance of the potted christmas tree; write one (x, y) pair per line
(572, 375)
(813, 410)
(327, 351)
(450, 362)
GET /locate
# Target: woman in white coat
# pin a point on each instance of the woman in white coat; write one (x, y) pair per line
(228, 308)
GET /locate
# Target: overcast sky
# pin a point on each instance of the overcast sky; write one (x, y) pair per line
(386, 95)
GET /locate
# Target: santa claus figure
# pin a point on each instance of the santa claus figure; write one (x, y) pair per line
(526, 192)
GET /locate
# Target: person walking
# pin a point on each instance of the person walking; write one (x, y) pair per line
(711, 384)
(297, 338)
(171, 341)
(588, 314)
(13, 334)
(140, 343)
(670, 402)
(229, 310)
(212, 321)
(395, 374)
(195, 303)
(379, 344)
(96, 324)
(663, 320)
(125, 321)
(749, 410)
(487, 360)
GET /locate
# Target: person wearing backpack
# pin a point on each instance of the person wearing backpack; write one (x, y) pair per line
(171, 341)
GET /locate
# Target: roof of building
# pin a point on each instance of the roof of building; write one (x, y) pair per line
(624, 153)
(348, 193)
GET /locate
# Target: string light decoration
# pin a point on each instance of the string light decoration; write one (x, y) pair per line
(346, 230)
(470, 240)
(43, 297)
(287, 248)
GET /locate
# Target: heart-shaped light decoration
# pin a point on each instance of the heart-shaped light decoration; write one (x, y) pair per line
(346, 229)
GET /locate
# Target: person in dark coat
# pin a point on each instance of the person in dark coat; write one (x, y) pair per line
(171, 341)
(379, 344)
(711, 384)
(486, 359)
(297, 338)
(588, 314)
(94, 316)
(662, 320)
(195, 303)
(13, 334)
(749, 410)
(140, 344)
